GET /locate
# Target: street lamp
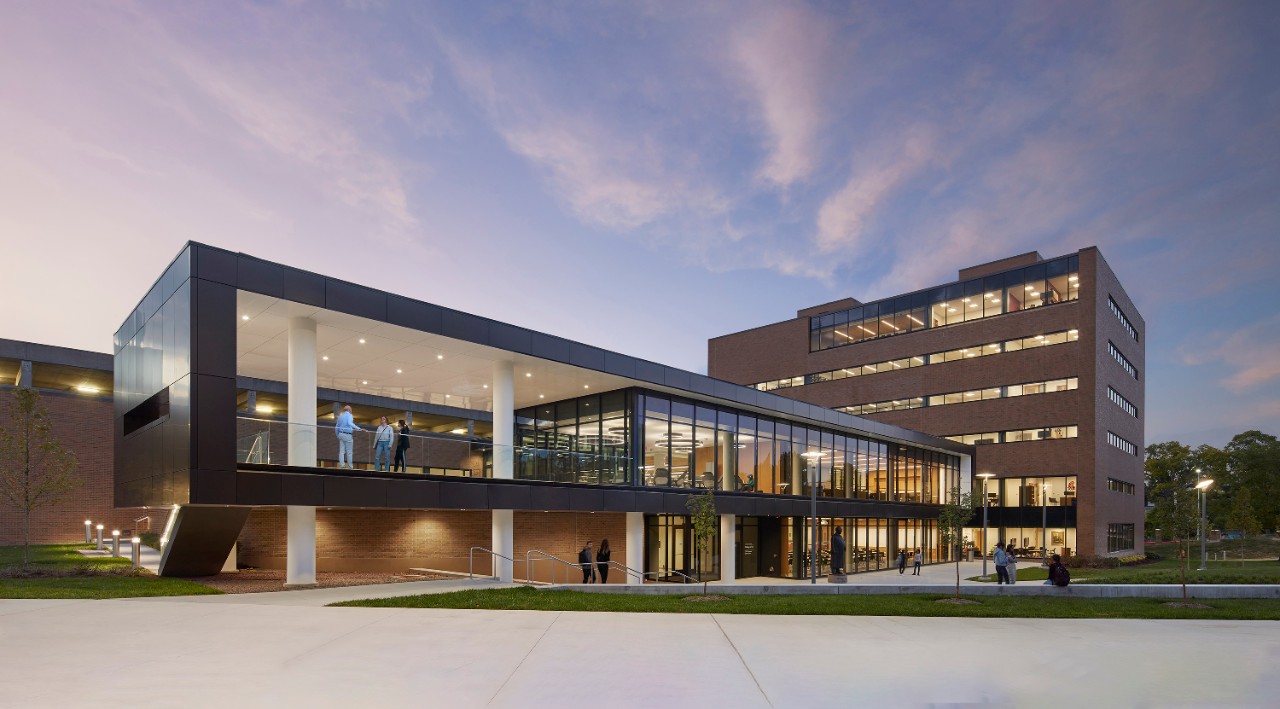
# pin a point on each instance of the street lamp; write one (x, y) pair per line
(985, 500)
(815, 458)
(1203, 487)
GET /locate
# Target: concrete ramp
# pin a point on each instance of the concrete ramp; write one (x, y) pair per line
(201, 539)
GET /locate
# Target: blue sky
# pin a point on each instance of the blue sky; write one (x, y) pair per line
(644, 176)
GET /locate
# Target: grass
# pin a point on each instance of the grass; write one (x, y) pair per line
(59, 571)
(1167, 569)
(525, 598)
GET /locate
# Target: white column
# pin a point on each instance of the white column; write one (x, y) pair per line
(300, 560)
(504, 419)
(635, 545)
(503, 543)
(302, 393)
(728, 549)
(966, 475)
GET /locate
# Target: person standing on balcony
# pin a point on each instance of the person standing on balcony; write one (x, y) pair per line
(402, 445)
(345, 429)
(382, 445)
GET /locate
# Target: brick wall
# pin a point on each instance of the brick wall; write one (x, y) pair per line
(83, 425)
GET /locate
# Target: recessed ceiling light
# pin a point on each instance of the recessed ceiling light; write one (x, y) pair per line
(951, 310)
(399, 371)
(541, 396)
(458, 431)
(87, 389)
(362, 381)
(584, 386)
(362, 340)
(244, 317)
(439, 356)
(486, 386)
(528, 374)
(325, 358)
(1030, 288)
(263, 409)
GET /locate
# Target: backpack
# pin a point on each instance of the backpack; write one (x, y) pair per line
(1062, 577)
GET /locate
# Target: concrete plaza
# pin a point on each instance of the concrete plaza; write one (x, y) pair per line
(252, 652)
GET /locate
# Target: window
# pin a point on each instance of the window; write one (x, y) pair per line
(1119, 537)
(1125, 364)
(1018, 436)
(963, 397)
(1124, 321)
(1121, 443)
(861, 370)
(1122, 402)
(1120, 486)
(1045, 283)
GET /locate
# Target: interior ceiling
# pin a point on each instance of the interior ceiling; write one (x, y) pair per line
(399, 362)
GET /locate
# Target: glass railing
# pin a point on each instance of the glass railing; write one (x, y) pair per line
(267, 442)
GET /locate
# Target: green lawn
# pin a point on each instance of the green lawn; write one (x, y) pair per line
(1166, 570)
(73, 575)
(525, 598)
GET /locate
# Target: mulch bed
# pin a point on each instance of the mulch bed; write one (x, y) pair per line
(958, 601)
(263, 580)
(1186, 604)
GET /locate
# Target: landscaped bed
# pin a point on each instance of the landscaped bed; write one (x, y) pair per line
(526, 598)
(61, 571)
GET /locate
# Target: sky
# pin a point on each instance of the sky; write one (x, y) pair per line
(643, 176)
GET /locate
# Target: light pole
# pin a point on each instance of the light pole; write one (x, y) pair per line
(1203, 487)
(985, 503)
(815, 459)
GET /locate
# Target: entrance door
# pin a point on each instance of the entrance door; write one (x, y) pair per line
(748, 547)
(769, 533)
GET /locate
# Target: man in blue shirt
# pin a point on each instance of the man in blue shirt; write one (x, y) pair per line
(345, 427)
(1002, 564)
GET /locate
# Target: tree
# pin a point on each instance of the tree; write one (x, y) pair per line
(705, 521)
(1243, 518)
(952, 518)
(35, 470)
(1171, 480)
(1253, 463)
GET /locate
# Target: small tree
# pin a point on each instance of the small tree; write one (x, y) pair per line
(954, 515)
(705, 521)
(1242, 518)
(35, 470)
(1175, 513)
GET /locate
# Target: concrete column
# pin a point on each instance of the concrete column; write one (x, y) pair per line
(24, 375)
(635, 545)
(503, 543)
(504, 419)
(251, 401)
(302, 397)
(728, 549)
(966, 475)
(300, 559)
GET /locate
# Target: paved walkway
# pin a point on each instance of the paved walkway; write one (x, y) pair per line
(319, 597)
(172, 653)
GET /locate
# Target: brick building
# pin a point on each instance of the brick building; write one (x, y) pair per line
(1037, 362)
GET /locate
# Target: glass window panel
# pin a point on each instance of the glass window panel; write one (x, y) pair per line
(681, 411)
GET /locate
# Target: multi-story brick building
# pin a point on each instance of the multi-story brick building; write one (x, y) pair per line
(1037, 362)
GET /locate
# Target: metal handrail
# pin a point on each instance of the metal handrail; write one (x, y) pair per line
(471, 562)
(528, 566)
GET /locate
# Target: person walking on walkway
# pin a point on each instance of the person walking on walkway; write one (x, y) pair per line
(345, 429)
(917, 559)
(902, 561)
(1011, 568)
(602, 560)
(1002, 561)
(587, 560)
(402, 447)
(382, 445)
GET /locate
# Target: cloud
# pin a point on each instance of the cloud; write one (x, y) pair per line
(1251, 354)
(785, 53)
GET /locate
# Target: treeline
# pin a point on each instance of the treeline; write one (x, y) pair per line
(1245, 495)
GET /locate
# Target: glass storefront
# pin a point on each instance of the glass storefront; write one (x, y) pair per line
(779, 547)
(583, 440)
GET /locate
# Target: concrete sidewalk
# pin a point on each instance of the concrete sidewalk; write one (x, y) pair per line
(198, 654)
(317, 597)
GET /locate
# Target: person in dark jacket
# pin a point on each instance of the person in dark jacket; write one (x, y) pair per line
(402, 445)
(902, 561)
(837, 552)
(587, 560)
(602, 560)
(1054, 566)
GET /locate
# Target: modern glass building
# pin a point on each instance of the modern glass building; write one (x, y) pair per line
(231, 373)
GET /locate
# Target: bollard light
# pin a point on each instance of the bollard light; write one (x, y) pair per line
(99, 537)
(137, 552)
(88, 532)
(115, 543)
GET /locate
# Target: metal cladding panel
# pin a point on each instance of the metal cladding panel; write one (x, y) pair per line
(620, 365)
(734, 505)
(509, 497)
(619, 500)
(259, 489)
(510, 338)
(702, 385)
(201, 540)
(650, 371)
(413, 314)
(547, 497)
(413, 494)
(356, 300)
(725, 390)
(586, 356)
(213, 329)
(464, 496)
(213, 487)
(355, 492)
(213, 424)
(651, 502)
(550, 347)
(213, 264)
(303, 287)
(586, 498)
(463, 326)
(304, 490)
(674, 504)
(677, 378)
(259, 276)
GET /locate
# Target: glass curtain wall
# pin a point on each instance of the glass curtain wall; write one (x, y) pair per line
(584, 440)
